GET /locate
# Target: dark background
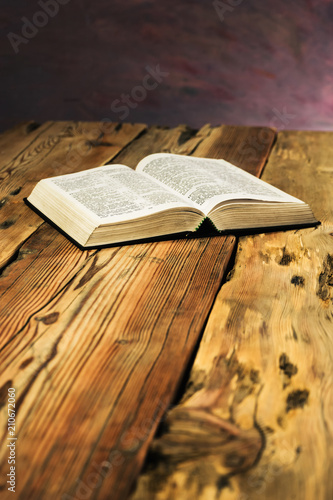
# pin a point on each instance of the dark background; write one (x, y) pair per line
(255, 62)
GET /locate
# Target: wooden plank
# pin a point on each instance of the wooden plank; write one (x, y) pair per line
(256, 419)
(180, 140)
(48, 253)
(241, 145)
(246, 147)
(57, 148)
(96, 360)
(42, 256)
(18, 138)
(45, 264)
(105, 353)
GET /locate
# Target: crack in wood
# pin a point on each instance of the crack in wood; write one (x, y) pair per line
(94, 269)
(187, 383)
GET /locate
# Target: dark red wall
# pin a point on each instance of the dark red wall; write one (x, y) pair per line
(233, 61)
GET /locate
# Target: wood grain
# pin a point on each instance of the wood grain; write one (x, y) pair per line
(101, 351)
(55, 149)
(18, 138)
(40, 263)
(256, 419)
(251, 145)
(45, 264)
(101, 364)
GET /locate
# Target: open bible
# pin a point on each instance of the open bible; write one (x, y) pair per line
(166, 194)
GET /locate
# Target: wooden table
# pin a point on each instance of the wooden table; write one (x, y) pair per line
(182, 369)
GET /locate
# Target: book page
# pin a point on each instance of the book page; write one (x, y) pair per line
(116, 192)
(207, 182)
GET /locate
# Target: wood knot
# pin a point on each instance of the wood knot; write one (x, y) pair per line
(286, 258)
(15, 191)
(97, 143)
(3, 201)
(325, 280)
(4, 392)
(297, 399)
(32, 126)
(186, 135)
(48, 319)
(298, 281)
(8, 223)
(122, 341)
(194, 433)
(26, 362)
(288, 368)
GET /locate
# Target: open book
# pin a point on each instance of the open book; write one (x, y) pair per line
(166, 194)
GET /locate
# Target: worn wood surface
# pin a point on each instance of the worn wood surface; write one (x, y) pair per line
(55, 148)
(96, 342)
(256, 419)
